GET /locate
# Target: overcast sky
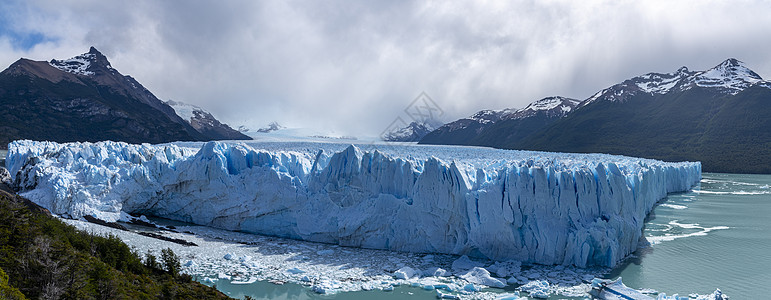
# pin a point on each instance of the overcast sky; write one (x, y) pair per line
(352, 67)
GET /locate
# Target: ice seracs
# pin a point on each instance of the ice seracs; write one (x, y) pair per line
(547, 208)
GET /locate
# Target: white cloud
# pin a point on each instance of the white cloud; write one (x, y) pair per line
(353, 66)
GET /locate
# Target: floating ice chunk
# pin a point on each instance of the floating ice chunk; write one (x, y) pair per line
(406, 273)
(229, 256)
(615, 289)
(189, 264)
(295, 271)
(463, 264)
(223, 276)
(504, 269)
(325, 252)
(482, 276)
(537, 289)
(472, 288)
(327, 287)
(442, 295)
(716, 295)
(125, 217)
(510, 296)
(436, 272)
(663, 296)
(674, 206)
(248, 281)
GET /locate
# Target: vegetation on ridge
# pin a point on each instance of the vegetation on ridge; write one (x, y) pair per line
(43, 258)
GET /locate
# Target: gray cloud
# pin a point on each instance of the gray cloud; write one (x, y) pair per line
(352, 67)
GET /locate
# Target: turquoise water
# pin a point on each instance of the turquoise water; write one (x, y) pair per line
(737, 260)
(717, 236)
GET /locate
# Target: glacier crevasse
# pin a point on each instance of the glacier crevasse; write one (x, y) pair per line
(547, 208)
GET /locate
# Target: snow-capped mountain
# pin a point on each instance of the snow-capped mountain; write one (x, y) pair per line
(471, 130)
(85, 99)
(79, 65)
(273, 126)
(719, 116)
(413, 132)
(204, 122)
(551, 106)
(729, 77)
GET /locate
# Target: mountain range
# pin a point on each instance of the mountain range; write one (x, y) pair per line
(413, 132)
(721, 117)
(85, 99)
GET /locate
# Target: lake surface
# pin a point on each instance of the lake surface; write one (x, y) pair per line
(717, 236)
(682, 260)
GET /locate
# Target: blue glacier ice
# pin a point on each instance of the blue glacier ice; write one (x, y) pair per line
(533, 207)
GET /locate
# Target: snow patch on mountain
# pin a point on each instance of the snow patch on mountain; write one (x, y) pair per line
(764, 84)
(77, 65)
(657, 83)
(731, 76)
(548, 103)
(489, 116)
(547, 208)
(553, 106)
(184, 110)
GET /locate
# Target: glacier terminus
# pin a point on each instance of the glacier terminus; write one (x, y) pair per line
(534, 207)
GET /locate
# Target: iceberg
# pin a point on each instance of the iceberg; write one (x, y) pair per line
(532, 207)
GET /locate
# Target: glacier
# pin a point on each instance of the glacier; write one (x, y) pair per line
(533, 207)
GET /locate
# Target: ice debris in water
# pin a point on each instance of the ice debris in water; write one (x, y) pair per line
(270, 259)
(406, 273)
(537, 289)
(482, 276)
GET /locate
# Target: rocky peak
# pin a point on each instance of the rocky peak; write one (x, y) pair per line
(731, 76)
(86, 64)
(552, 106)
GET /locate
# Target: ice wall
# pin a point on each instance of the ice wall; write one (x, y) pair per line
(534, 207)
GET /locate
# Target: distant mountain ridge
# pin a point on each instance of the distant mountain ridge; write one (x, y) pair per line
(85, 99)
(205, 123)
(721, 117)
(413, 132)
(486, 126)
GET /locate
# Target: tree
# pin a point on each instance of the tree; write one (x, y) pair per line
(151, 262)
(6, 290)
(170, 261)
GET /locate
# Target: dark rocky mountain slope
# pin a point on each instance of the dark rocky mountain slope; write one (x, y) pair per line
(84, 99)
